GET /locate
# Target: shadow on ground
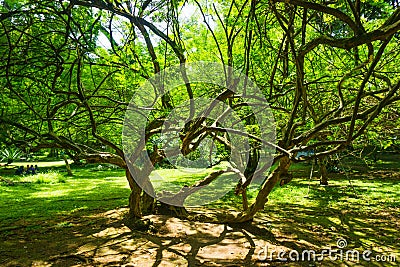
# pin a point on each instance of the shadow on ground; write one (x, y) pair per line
(101, 239)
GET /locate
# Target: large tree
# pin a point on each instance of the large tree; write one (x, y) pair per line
(327, 70)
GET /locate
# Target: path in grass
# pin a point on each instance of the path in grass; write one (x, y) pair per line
(78, 221)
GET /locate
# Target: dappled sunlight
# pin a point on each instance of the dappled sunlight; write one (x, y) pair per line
(199, 133)
(71, 195)
(79, 224)
(99, 238)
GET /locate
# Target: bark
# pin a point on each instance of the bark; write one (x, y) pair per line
(266, 189)
(176, 211)
(245, 203)
(104, 157)
(148, 204)
(180, 197)
(323, 171)
(134, 198)
(285, 178)
(69, 171)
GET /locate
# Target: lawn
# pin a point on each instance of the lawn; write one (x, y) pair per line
(51, 219)
(51, 192)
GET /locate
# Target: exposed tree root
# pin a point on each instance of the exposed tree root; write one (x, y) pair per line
(81, 258)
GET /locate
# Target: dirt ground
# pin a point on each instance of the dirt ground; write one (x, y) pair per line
(102, 239)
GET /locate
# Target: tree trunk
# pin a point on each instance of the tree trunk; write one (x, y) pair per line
(262, 196)
(134, 198)
(148, 204)
(53, 153)
(285, 178)
(323, 171)
(176, 211)
(69, 171)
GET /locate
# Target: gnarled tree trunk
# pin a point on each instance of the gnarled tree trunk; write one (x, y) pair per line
(134, 198)
(266, 189)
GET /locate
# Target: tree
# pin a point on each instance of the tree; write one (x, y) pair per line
(326, 72)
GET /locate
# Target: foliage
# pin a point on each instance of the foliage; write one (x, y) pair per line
(51, 177)
(10, 155)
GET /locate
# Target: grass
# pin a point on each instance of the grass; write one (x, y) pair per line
(50, 177)
(52, 193)
(361, 185)
(360, 205)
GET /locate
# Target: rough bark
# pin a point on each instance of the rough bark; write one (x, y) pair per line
(148, 204)
(134, 198)
(176, 211)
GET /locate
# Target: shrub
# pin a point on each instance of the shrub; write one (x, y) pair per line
(51, 177)
(10, 155)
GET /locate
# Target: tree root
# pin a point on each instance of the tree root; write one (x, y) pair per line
(81, 258)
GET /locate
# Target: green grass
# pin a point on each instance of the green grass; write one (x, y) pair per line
(172, 180)
(50, 177)
(354, 187)
(361, 205)
(52, 193)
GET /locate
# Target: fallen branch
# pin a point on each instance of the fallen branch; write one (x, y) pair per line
(179, 198)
